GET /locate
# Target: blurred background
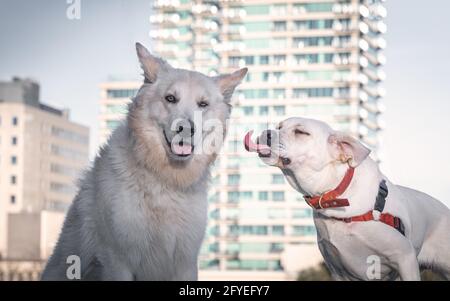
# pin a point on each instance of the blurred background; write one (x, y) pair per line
(378, 70)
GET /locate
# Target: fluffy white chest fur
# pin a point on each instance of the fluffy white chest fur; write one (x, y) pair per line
(160, 233)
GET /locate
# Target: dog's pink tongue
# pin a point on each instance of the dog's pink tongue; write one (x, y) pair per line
(185, 149)
(250, 146)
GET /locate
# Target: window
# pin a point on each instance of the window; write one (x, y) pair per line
(233, 196)
(312, 41)
(13, 180)
(264, 60)
(214, 230)
(279, 26)
(116, 109)
(313, 24)
(263, 196)
(13, 160)
(121, 93)
(233, 61)
(57, 205)
(234, 179)
(312, 92)
(278, 196)
(303, 230)
(276, 247)
(68, 153)
(69, 135)
(64, 170)
(277, 179)
(247, 110)
(279, 76)
(313, 7)
(278, 230)
(15, 121)
(279, 93)
(61, 188)
(209, 264)
(249, 60)
(301, 213)
(246, 195)
(257, 10)
(13, 199)
(257, 43)
(279, 110)
(263, 110)
(306, 59)
(14, 140)
(279, 9)
(279, 59)
(112, 124)
(257, 26)
(255, 94)
(262, 93)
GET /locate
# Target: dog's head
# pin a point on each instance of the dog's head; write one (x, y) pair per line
(305, 146)
(179, 117)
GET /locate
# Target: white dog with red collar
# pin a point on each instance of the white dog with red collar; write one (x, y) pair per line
(362, 219)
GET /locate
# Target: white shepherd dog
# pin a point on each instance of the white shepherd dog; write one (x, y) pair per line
(141, 211)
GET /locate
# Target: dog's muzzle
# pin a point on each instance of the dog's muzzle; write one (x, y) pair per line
(180, 138)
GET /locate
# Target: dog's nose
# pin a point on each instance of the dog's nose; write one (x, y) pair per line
(285, 161)
(269, 136)
(181, 128)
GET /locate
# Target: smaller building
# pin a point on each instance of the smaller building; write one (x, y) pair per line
(42, 153)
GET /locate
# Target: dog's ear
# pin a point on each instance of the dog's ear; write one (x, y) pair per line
(150, 64)
(345, 148)
(228, 82)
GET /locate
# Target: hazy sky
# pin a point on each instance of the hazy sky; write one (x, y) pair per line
(71, 57)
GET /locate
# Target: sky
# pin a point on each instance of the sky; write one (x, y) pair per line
(70, 58)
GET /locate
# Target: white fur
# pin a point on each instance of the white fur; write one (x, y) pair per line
(141, 213)
(319, 164)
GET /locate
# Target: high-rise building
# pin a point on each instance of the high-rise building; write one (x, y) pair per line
(314, 58)
(114, 98)
(42, 154)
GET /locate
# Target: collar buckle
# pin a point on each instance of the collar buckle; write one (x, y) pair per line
(376, 215)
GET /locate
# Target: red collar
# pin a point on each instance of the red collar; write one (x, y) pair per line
(330, 199)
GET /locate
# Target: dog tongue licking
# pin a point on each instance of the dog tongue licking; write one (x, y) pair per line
(181, 149)
(250, 146)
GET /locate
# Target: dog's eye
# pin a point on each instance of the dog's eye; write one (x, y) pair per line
(300, 132)
(203, 104)
(171, 98)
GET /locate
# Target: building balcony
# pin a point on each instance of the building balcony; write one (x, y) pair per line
(373, 108)
(165, 19)
(344, 9)
(205, 26)
(166, 4)
(205, 10)
(230, 2)
(374, 59)
(233, 15)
